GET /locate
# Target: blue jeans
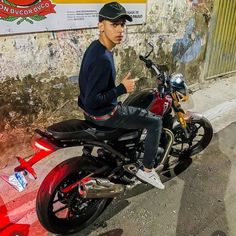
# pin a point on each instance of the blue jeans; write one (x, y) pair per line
(128, 117)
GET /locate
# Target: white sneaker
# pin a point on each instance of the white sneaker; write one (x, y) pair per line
(151, 178)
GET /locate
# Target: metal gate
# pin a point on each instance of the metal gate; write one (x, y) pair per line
(221, 46)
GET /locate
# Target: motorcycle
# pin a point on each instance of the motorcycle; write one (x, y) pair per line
(79, 189)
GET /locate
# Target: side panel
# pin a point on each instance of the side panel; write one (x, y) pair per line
(161, 105)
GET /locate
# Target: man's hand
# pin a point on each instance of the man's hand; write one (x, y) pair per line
(129, 83)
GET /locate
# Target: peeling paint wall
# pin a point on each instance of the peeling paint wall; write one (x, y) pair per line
(36, 70)
(53, 54)
(178, 27)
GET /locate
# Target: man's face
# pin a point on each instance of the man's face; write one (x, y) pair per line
(113, 31)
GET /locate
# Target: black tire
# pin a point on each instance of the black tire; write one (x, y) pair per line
(49, 195)
(188, 147)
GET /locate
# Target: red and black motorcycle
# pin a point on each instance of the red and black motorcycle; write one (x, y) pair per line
(77, 190)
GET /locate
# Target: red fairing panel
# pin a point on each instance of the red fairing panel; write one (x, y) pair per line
(161, 105)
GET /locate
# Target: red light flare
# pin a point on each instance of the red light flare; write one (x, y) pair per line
(7, 228)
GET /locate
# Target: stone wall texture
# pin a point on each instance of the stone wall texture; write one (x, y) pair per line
(38, 83)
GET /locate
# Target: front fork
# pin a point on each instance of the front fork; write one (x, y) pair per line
(182, 116)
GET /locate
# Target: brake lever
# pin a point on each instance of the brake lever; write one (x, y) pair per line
(149, 53)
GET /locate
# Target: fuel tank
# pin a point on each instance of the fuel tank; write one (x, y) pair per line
(150, 100)
(142, 99)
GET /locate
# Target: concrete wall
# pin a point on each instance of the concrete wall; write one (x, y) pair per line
(36, 70)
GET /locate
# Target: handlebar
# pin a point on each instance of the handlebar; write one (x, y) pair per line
(161, 71)
(150, 65)
(158, 71)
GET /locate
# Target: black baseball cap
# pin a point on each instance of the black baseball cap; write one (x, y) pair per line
(113, 11)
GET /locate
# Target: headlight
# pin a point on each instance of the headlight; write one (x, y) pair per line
(179, 86)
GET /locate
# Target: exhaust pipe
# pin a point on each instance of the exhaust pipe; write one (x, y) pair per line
(100, 188)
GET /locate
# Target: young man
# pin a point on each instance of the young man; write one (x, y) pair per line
(98, 92)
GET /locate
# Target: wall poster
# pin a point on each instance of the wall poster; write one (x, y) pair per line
(25, 16)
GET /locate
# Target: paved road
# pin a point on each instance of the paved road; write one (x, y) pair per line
(199, 201)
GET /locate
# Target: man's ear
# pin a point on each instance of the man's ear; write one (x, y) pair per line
(101, 27)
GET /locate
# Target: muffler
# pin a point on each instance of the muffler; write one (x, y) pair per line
(100, 188)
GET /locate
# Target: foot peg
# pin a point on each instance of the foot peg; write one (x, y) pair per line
(131, 168)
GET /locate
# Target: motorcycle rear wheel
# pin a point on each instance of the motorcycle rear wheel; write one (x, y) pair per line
(67, 213)
(201, 133)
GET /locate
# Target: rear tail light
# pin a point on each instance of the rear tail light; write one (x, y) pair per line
(42, 144)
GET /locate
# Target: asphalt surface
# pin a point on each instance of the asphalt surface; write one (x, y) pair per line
(199, 198)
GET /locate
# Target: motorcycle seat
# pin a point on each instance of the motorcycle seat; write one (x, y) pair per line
(82, 129)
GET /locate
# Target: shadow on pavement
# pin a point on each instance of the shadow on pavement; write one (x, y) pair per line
(202, 208)
(114, 232)
(121, 203)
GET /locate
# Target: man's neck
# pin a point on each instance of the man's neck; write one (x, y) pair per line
(106, 43)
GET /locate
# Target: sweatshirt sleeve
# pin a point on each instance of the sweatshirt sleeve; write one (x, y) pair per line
(97, 95)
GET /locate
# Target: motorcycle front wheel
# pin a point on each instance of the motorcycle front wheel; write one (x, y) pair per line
(67, 213)
(200, 134)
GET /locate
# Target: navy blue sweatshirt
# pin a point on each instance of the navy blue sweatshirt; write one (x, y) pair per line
(98, 93)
